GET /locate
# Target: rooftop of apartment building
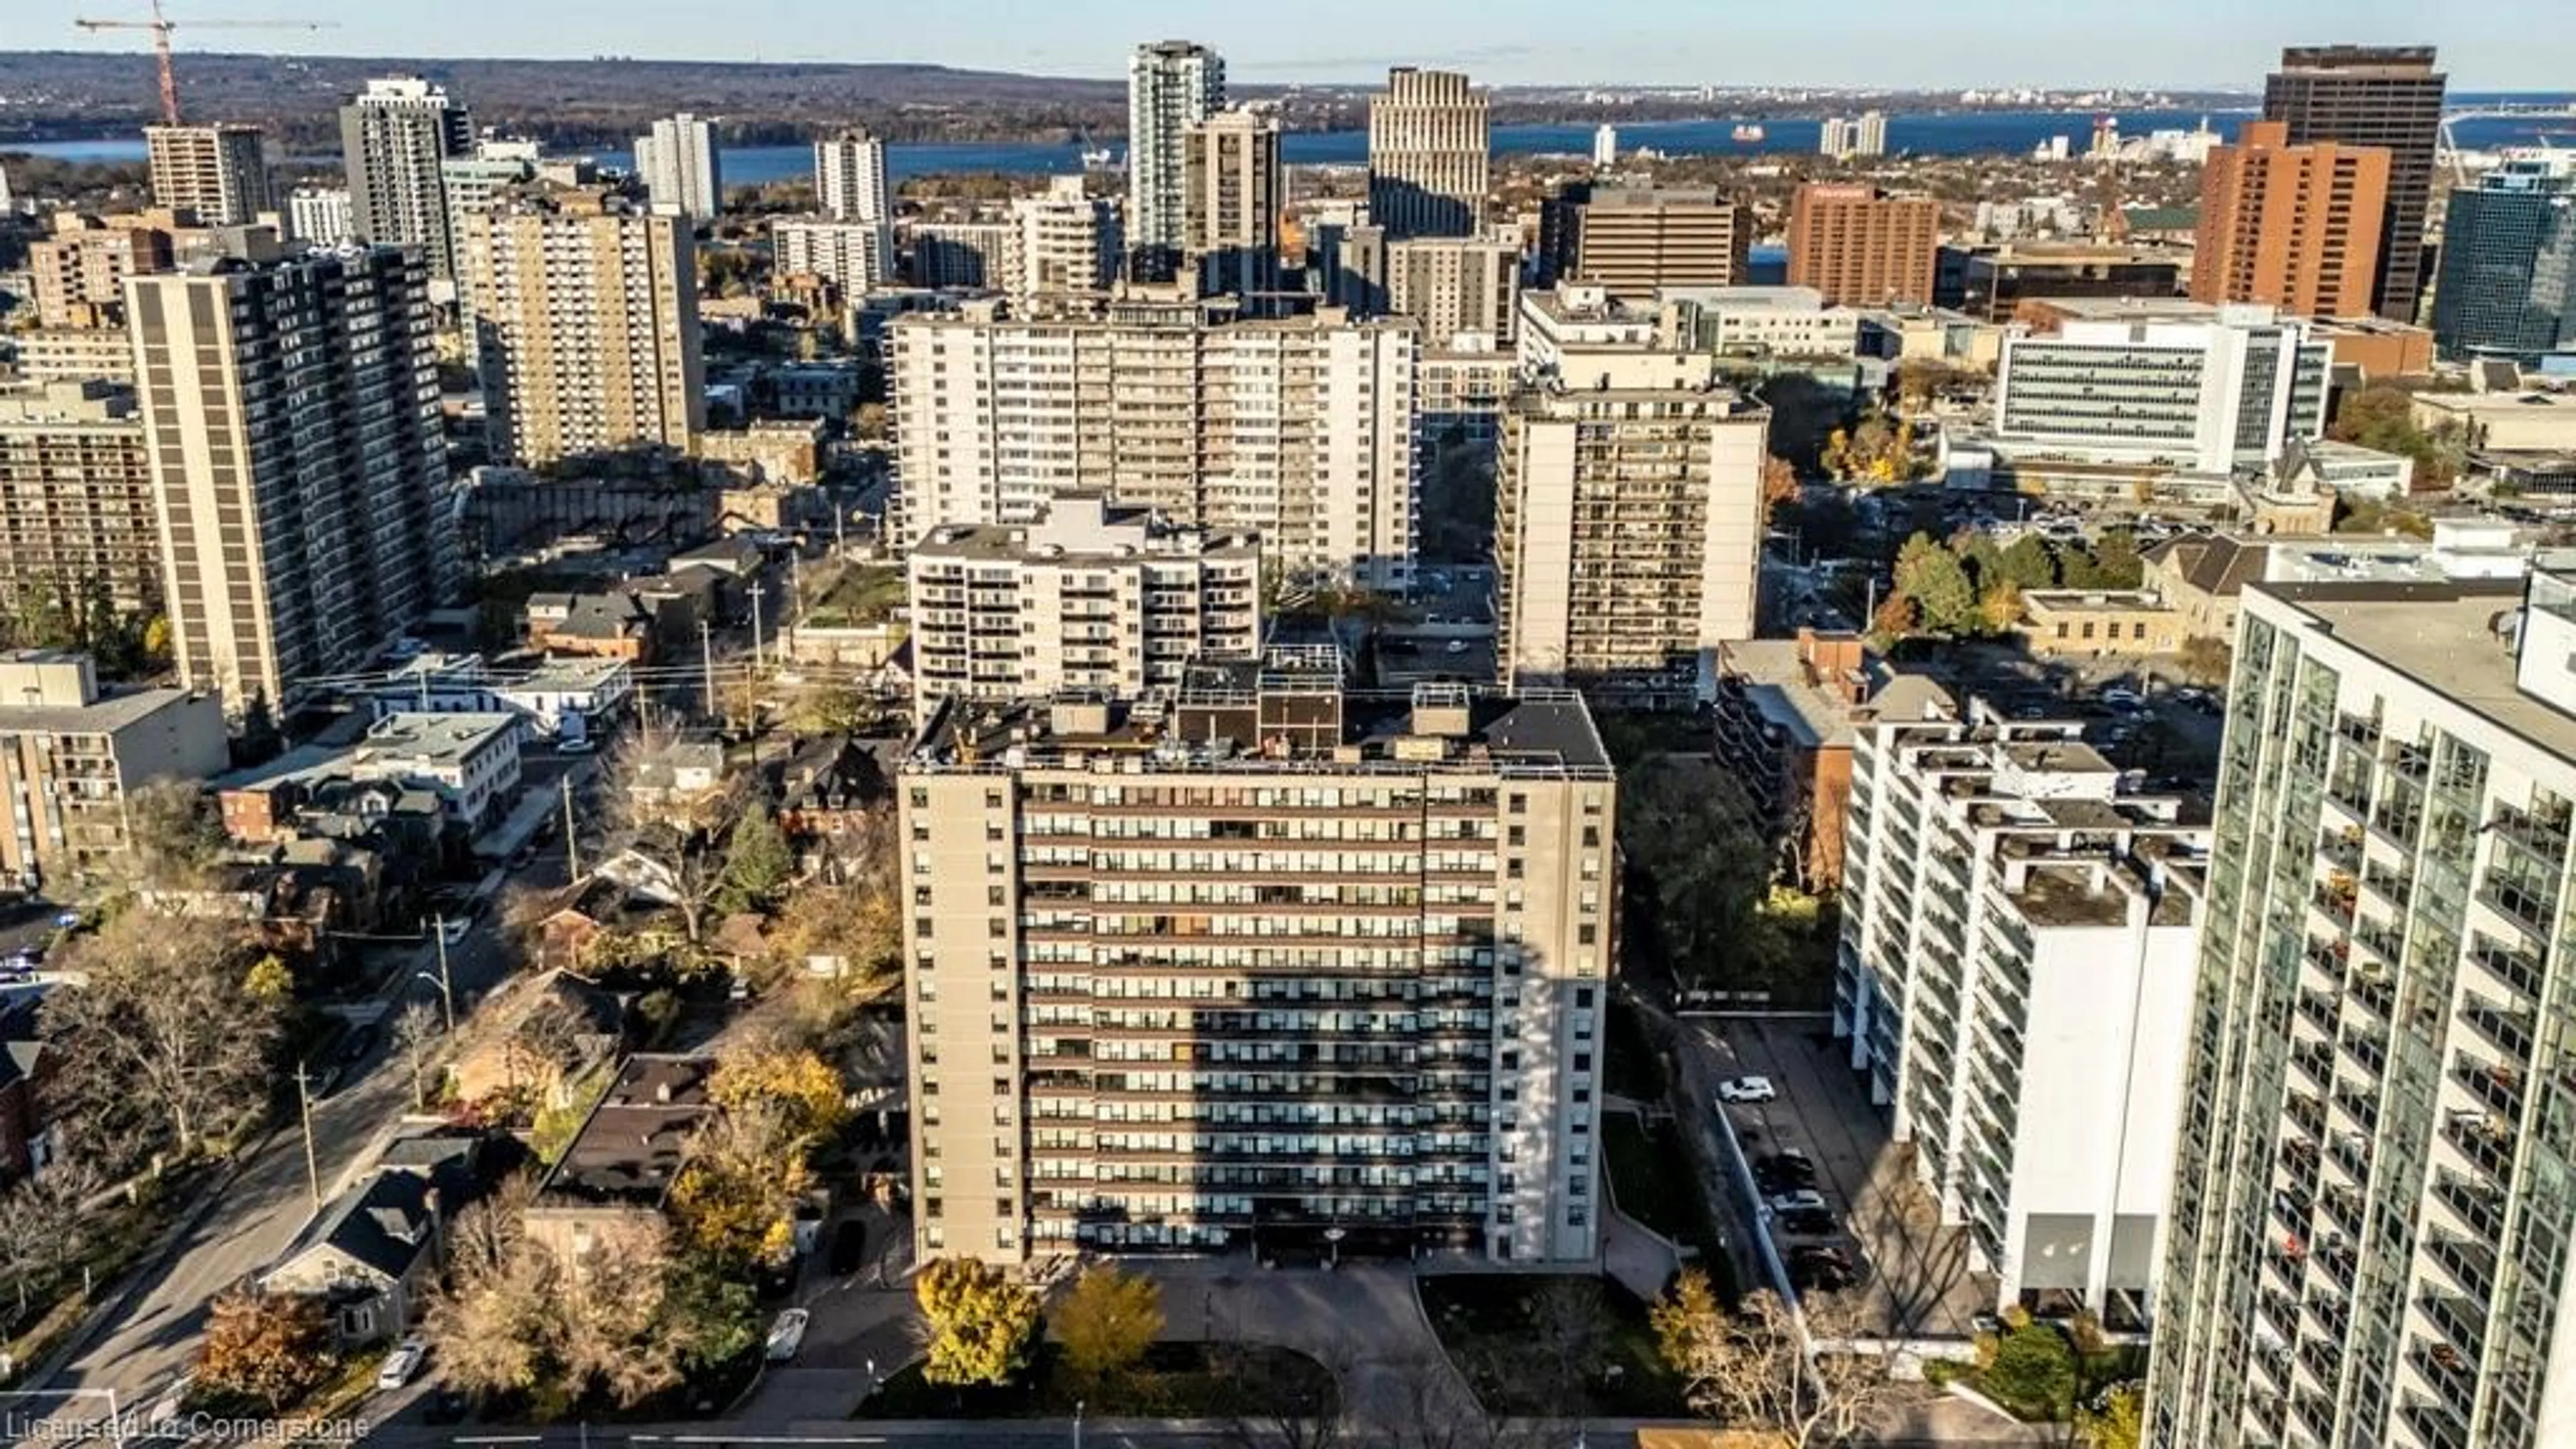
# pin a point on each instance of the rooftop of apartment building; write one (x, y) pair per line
(2455, 639)
(1747, 299)
(630, 1149)
(2069, 252)
(1816, 687)
(56, 692)
(1288, 712)
(1084, 526)
(2074, 890)
(436, 737)
(65, 402)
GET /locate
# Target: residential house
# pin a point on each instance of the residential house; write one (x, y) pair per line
(611, 625)
(620, 1167)
(535, 1035)
(373, 1254)
(826, 790)
(26, 1133)
(2201, 576)
(674, 781)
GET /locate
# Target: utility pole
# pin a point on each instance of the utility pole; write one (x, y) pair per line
(312, 1164)
(707, 652)
(446, 987)
(572, 836)
(759, 587)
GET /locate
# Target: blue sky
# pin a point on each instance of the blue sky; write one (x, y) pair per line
(2486, 44)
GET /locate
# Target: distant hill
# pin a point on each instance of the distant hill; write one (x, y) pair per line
(66, 94)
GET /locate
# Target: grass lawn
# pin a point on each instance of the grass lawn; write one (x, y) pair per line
(864, 594)
(1176, 1381)
(1499, 1330)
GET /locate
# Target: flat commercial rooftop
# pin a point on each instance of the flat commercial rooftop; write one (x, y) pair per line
(2443, 637)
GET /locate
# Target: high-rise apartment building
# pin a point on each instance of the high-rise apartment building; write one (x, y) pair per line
(1234, 190)
(2295, 227)
(850, 178)
(2014, 984)
(1172, 85)
(1280, 966)
(291, 410)
(320, 215)
(2370, 1228)
(1627, 534)
(75, 354)
(2508, 282)
(1862, 247)
(1846, 137)
(393, 138)
(1095, 597)
(586, 320)
(80, 270)
(1455, 286)
(2384, 96)
(217, 172)
(1069, 241)
(969, 254)
(2209, 393)
(76, 495)
(1295, 429)
(1429, 147)
(855, 256)
(683, 174)
(1631, 241)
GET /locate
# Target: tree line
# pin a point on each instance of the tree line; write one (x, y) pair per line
(1972, 586)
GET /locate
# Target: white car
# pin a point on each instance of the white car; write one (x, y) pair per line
(786, 1335)
(2119, 698)
(582, 746)
(402, 1363)
(454, 928)
(1747, 1089)
(1805, 1197)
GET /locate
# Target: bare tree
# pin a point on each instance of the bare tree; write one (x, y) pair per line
(172, 834)
(162, 1036)
(678, 832)
(45, 1227)
(612, 1313)
(1287, 1416)
(416, 1034)
(1753, 1368)
(1443, 1410)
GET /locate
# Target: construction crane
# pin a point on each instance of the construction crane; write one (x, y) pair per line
(161, 25)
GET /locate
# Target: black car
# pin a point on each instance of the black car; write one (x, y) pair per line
(1809, 1222)
(1781, 1172)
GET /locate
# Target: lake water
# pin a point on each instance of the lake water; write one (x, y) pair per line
(1965, 134)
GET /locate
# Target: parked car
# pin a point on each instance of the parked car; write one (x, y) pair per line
(786, 1335)
(454, 930)
(1457, 646)
(402, 1363)
(582, 746)
(1747, 1089)
(1784, 1172)
(1805, 1197)
(1809, 1223)
(2119, 698)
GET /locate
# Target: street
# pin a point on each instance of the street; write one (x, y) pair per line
(255, 1214)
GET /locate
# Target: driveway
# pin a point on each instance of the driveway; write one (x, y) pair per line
(1919, 1277)
(1363, 1321)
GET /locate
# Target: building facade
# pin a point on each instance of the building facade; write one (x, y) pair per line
(2508, 279)
(393, 138)
(1234, 191)
(1627, 538)
(586, 324)
(1172, 85)
(682, 171)
(80, 270)
(2369, 1236)
(850, 178)
(2207, 395)
(2294, 227)
(1860, 246)
(2388, 97)
(71, 756)
(2014, 984)
(855, 256)
(1464, 291)
(975, 255)
(1093, 598)
(76, 502)
(1297, 429)
(1429, 150)
(1845, 137)
(291, 412)
(1068, 242)
(1296, 970)
(217, 172)
(1632, 242)
(320, 215)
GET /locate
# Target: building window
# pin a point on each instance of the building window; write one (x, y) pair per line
(921, 926)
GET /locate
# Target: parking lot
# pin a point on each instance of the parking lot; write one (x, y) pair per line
(1914, 1270)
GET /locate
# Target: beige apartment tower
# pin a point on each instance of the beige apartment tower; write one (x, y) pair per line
(80, 270)
(1630, 242)
(1628, 535)
(217, 172)
(299, 463)
(586, 320)
(1281, 968)
(1235, 192)
(76, 495)
(1296, 429)
(1429, 148)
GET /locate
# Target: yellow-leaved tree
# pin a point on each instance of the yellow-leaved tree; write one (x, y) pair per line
(980, 1325)
(1108, 1320)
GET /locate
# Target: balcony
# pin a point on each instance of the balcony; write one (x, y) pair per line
(2488, 1142)
(2393, 884)
(2544, 833)
(2480, 1205)
(2520, 972)
(2508, 1031)
(2460, 1321)
(2529, 911)
(2358, 730)
(2446, 1369)
(2320, 1010)
(2497, 1085)
(2439, 1423)
(2342, 848)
